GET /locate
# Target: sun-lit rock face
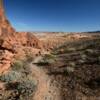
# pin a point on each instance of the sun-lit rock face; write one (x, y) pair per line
(5, 26)
(12, 42)
(9, 37)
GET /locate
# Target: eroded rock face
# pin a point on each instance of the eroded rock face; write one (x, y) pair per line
(12, 42)
(6, 58)
(16, 40)
(10, 38)
(5, 26)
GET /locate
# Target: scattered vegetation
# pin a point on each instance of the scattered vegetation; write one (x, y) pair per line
(22, 89)
(70, 69)
(75, 66)
(19, 81)
(11, 76)
(18, 65)
(47, 60)
(29, 58)
(26, 86)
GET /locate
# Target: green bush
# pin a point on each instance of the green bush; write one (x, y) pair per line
(19, 79)
(22, 89)
(10, 76)
(21, 66)
(47, 59)
(18, 65)
(26, 86)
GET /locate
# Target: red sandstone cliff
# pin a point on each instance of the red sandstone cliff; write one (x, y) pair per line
(12, 42)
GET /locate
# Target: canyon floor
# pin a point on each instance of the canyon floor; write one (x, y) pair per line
(66, 67)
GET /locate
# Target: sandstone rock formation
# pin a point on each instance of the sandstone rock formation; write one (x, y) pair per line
(12, 41)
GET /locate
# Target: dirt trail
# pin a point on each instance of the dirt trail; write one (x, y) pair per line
(46, 90)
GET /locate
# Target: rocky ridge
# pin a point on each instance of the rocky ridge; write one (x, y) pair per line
(13, 43)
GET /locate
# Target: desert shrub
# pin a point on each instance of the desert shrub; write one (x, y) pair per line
(70, 69)
(83, 56)
(49, 56)
(66, 50)
(21, 66)
(73, 64)
(26, 69)
(23, 89)
(81, 61)
(42, 62)
(89, 51)
(17, 65)
(29, 58)
(46, 60)
(10, 76)
(26, 86)
(19, 79)
(5, 95)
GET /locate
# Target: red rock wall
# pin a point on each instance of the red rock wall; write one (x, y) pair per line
(9, 37)
(11, 41)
